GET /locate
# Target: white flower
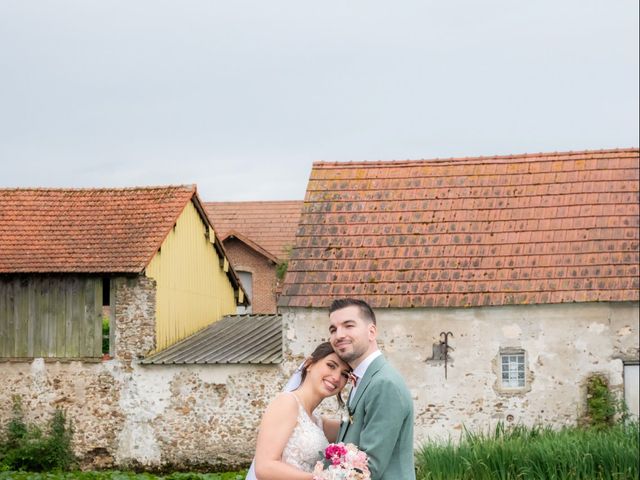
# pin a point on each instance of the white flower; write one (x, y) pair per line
(345, 416)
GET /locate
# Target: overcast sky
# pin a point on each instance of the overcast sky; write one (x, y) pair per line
(241, 96)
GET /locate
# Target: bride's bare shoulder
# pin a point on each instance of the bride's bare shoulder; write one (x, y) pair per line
(285, 401)
(282, 411)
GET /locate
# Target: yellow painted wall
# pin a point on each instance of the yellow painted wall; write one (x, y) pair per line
(193, 291)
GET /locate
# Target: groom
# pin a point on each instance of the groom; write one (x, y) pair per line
(380, 407)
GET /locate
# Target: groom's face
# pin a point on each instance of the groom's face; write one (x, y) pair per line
(351, 336)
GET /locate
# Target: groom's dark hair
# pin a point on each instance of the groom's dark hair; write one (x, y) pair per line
(365, 309)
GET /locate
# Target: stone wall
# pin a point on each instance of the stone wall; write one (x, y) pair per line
(127, 414)
(134, 313)
(563, 344)
(207, 415)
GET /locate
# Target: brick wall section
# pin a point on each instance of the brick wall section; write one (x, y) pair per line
(263, 270)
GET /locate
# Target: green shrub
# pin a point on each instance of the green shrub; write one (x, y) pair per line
(281, 269)
(25, 447)
(59, 451)
(283, 265)
(602, 405)
(105, 334)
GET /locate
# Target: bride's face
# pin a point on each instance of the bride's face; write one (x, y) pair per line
(329, 374)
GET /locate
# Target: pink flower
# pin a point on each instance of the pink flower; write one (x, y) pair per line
(347, 463)
(335, 452)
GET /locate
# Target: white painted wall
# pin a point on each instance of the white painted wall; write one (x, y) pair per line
(564, 344)
(246, 278)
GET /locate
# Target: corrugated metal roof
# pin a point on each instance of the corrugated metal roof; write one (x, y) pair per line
(233, 339)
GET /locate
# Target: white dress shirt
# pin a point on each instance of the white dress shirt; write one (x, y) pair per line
(360, 370)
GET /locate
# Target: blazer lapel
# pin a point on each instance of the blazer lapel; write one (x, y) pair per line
(344, 424)
(363, 383)
(375, 366)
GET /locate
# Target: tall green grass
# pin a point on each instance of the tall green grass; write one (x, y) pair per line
(535, 453)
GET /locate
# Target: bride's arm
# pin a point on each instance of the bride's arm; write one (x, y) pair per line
(276, 427)
(331, 427)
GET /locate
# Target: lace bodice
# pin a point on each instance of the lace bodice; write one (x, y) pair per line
(307, 441)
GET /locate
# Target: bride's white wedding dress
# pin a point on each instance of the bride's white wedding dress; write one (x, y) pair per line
(306, 443)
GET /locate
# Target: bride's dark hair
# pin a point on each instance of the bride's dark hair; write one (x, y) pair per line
(323, 350)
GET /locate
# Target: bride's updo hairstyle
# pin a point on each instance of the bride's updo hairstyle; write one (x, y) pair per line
(323, 350)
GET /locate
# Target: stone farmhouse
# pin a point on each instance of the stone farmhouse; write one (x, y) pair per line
(500, 283)
(150, 259)
(258, 238)
(68, 253)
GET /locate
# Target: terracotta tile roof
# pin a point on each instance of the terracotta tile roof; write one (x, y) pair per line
(521, 229)
(86, 230)
(270, 225)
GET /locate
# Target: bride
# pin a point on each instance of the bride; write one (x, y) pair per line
(292, 436)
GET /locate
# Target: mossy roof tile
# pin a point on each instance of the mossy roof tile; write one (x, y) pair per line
(517, 229)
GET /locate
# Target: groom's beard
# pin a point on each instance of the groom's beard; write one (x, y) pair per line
(349, 357)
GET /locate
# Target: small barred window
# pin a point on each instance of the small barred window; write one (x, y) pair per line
(513, 374)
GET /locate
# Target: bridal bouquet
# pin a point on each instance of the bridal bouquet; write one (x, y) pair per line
(347, 463)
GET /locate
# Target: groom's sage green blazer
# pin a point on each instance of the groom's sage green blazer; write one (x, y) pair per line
(381, 422)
